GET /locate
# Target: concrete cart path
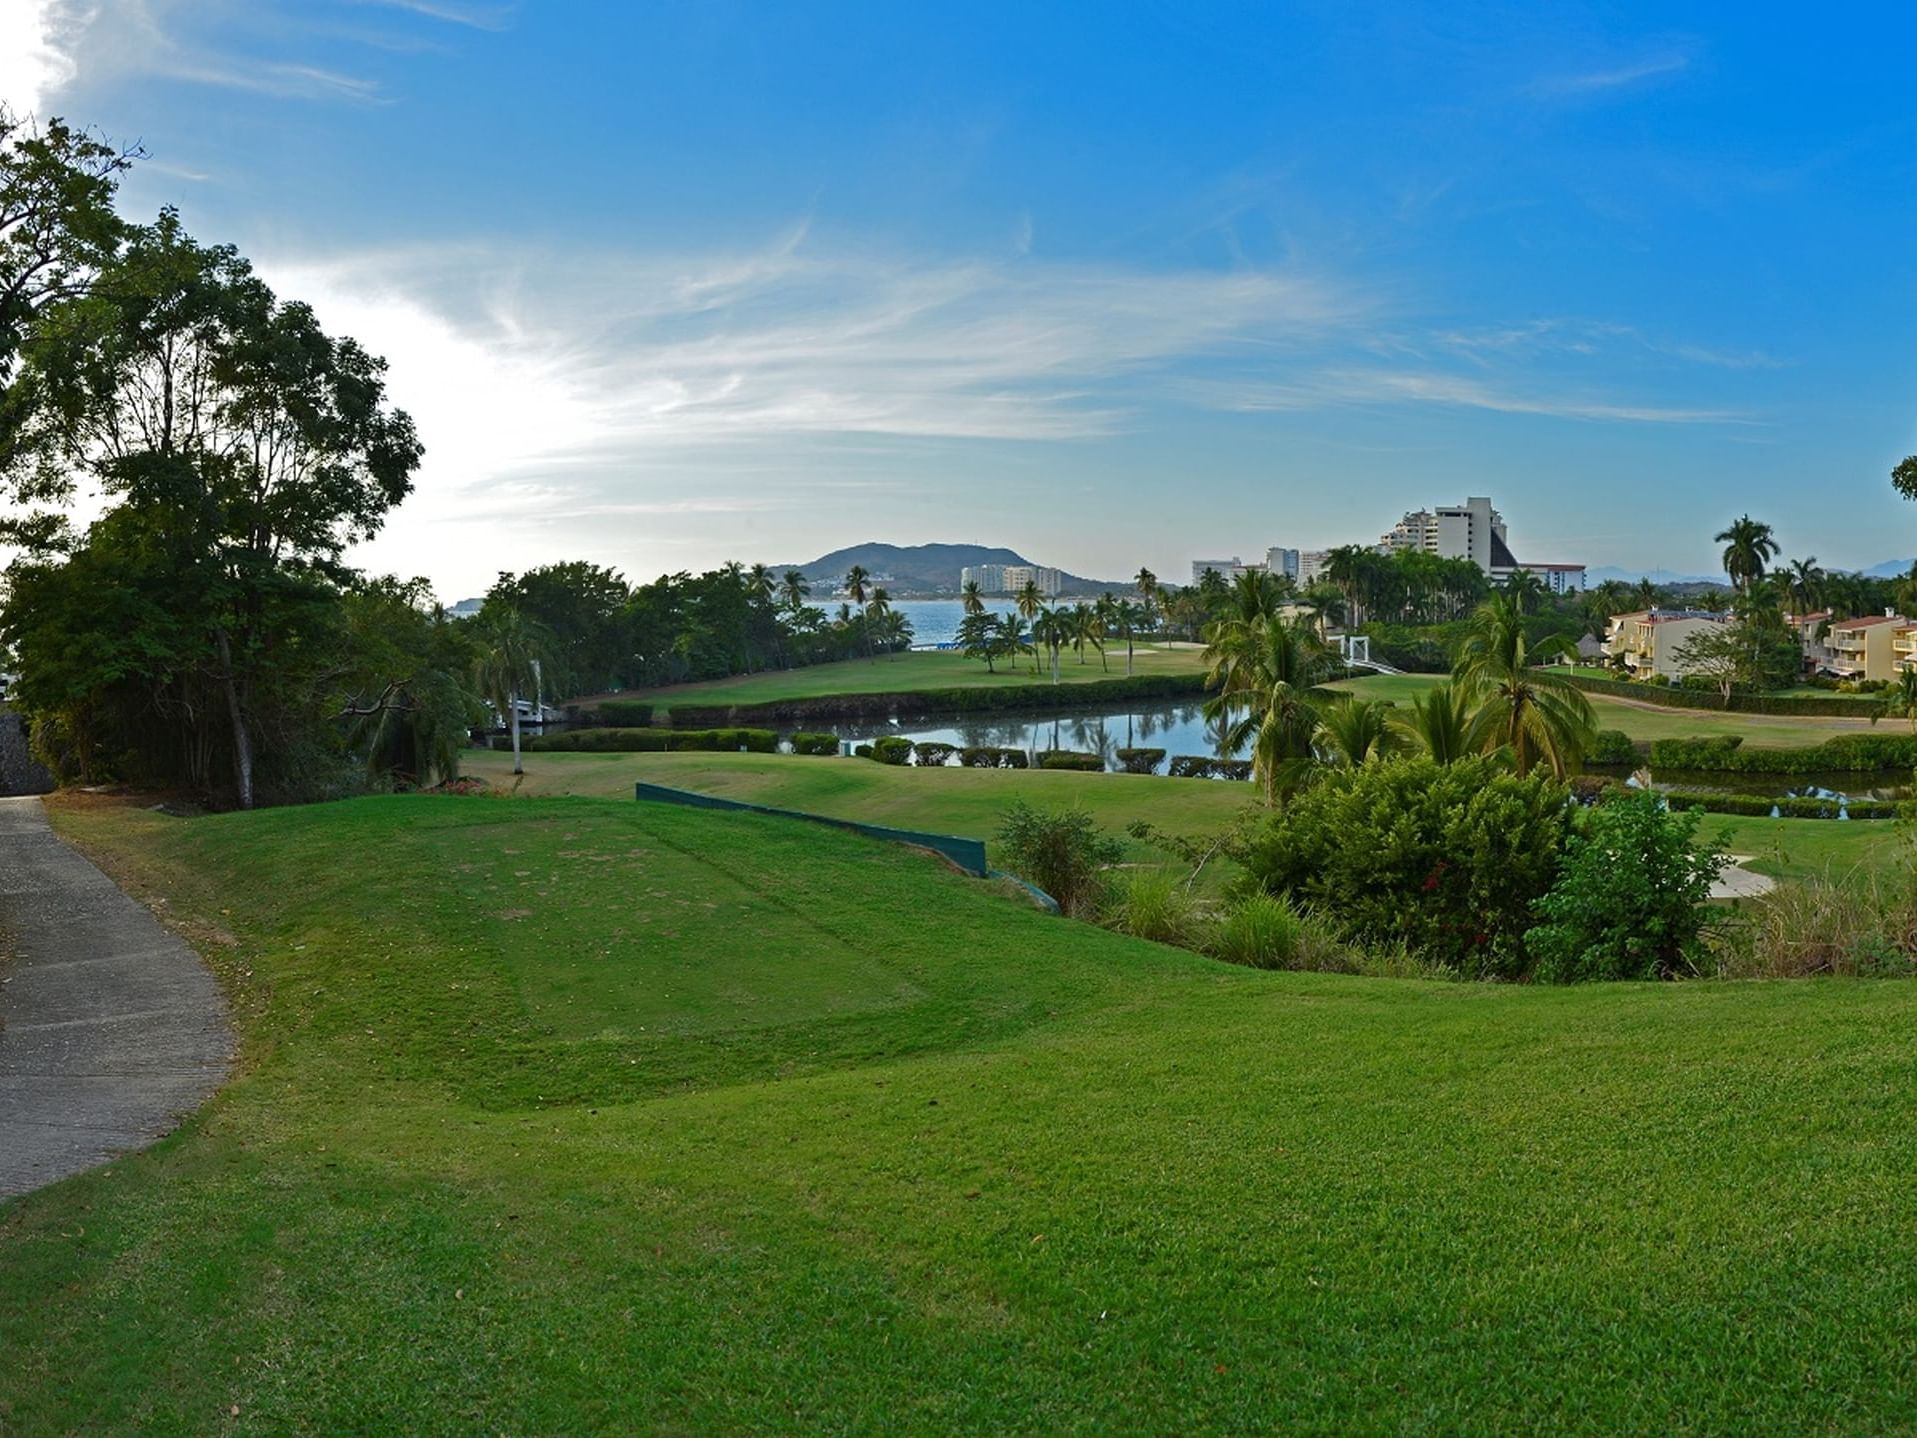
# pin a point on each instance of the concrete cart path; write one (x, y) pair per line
(111, 1030)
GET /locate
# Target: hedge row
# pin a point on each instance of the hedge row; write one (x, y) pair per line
(652, 741)
(934, 753)
(1851, 753)
(826, 744)
(620, 713)
(1802, 705)
(1140, 761)
(937, 703)
(1759, 807)
(891, 749)
(1203, 766)
(984, 756)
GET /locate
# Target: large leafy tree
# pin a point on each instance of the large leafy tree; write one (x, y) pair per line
(584, 608)
(239, 450)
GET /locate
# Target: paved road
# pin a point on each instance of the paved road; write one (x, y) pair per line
(111, 1030)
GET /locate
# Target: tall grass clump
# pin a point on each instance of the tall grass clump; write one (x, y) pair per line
(1269, 931)
(1860, 926)
(1151, 904)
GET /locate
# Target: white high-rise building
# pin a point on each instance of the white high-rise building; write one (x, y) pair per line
(1282, 563)
(1311, 566)
(1225, 568)
(1472, 530)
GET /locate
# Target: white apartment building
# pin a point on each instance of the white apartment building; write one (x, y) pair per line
(1474, 531)
(1226, 569)
(1282, 563)
(1010, 578)
(1311, 566)
(1646, 641)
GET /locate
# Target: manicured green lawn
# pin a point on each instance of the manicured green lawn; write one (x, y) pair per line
(969, 802)
(900, 673)
(586, 1116)
(1648, 721)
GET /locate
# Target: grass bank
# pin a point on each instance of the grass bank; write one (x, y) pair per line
(564, 1115)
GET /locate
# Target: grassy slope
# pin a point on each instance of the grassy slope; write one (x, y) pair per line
(576, 1116)
(970, 801)
(899, 673)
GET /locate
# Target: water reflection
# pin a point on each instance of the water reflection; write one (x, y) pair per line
(1175, 728)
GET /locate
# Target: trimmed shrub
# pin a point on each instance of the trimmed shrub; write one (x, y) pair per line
(933, 753)
(1071, 759)
(1059, 850)
(1446, 858)
(984, 756)
(1203, 766)
(1850, 753)
(622, 713)
(1611, 746)
(862, 751)
(1140, 761)
(1629, 903)
(891, 749)
(825, 744)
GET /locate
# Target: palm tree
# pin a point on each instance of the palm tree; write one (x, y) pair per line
(1806, 583)
(1526, 588)
(509, 645)
(1148, 601)
(1439, 723)
(1104, 621)
(1014, 639)
(878, 611)
(857, 580)
(1053, 629)
(1255, 594)
(1088, 627)
(1263, 671)
(1125, 618)
(972, 598)
(1748, 547)
(794, 589)
(1352, 731)
(1029, 600)
(1535, 714)
(1647, 593)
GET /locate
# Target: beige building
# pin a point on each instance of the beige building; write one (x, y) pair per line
(1646, 642)
(1865, 648)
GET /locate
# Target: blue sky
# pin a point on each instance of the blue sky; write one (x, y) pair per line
(667, 284)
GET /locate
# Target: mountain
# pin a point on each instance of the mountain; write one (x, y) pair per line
(921, 568)
(1890, 569)
(1603, 572)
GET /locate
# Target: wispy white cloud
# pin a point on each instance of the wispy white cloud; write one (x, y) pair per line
(479, 16)
(1589, 82)
(1384, 386)
(1588, 338)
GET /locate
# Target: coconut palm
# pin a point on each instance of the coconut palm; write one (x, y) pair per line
(508, 649)
(1126, 618)
(1105, 624)
(1527, 588)
(1537, 715)
(793, 589)
(878, 610)
(1353, 731)
(1015, 639)
(1088, 627)
(858, 585)
(1255, 594)
(1806, 583)
(972, 597)
(1029, 600)
(1053, 629)
(1438, 723)
(1263, 671)
(1748, 547)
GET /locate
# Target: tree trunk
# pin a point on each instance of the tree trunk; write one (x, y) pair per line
(242, 742)
(512, 707)
(1128, 656)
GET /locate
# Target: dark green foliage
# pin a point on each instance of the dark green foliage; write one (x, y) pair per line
(984, 756)
(654, 741)
(941, 703)
(621, 713)
(1447, 859)
(1629, 901)
(819, 744)
(933, 753)
(1611, 746)
(862, 751)
(1059, 850)
(1071, 759)
(1802, 705)
(1140, 761)
(891, 749)
(1853, 753)
(1204, 766)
